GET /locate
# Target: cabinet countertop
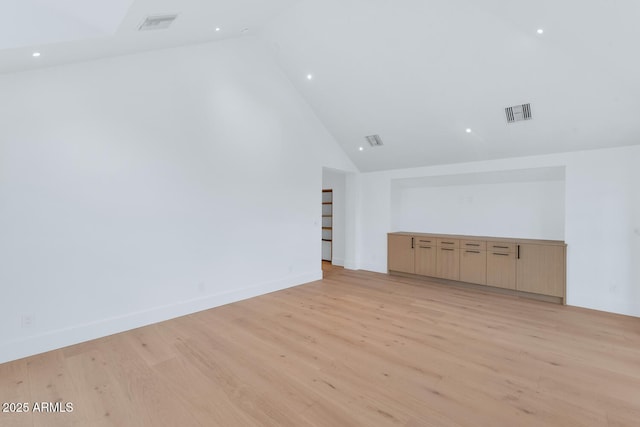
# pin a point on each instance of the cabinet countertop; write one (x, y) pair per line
(488, 239)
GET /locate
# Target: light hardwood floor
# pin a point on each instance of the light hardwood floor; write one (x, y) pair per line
(355, 349)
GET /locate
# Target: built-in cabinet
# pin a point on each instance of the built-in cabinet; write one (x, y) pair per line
(501, 265)
(425, 256)
(525, 266)
(448, 259)
(473, 262)
(541, 269)
(401, 253)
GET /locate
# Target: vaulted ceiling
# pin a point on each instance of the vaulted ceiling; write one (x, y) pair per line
(65, 31)
(419, 73)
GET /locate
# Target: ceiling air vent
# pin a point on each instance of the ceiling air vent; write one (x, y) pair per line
(518, 113)
(157, 22)
(374, 140)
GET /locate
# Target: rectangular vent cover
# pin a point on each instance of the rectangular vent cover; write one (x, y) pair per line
(374, 140)
(158, 22)
(518, 113)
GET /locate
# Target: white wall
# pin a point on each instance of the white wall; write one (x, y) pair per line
(353, 223)
(532, 210)
(601, 224)
(603, 230)
(336, 181)
(139, 188)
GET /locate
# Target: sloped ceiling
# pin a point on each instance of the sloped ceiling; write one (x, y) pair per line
(65, 31)
(419, 73)
(33, 22)
(416, 72)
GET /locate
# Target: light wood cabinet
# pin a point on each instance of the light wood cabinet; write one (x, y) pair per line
(425, 258)
(400, 253)
(448, 263)
(501, 269)
(473, 266)
(541, 269)
(523, 266)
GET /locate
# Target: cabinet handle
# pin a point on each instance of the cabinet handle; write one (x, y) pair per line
(447, 243)
(518, 251)
(446, 249)
(412, 243)
(500, 254)
(425, 241)
(502, 247)
(425, 247)
(472, 244)
(472, 252)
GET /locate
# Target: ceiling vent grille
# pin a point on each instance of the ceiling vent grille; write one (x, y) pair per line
(518, 113)
(158, 22)
(374, 140)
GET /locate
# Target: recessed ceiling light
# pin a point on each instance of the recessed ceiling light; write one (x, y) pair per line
(36, 54)
(309, 76)
(540, 31)
(217, 28)
(244, 31)
(468, 130)
(361, 148)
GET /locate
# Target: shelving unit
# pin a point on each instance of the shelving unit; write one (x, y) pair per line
(327, 225)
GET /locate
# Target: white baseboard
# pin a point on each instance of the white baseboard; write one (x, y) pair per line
(338, 261)
(53, 340)
(373, 267)
(350, 264)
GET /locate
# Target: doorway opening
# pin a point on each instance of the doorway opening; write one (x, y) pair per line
(327, 225)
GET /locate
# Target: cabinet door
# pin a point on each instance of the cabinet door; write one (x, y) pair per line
(501, 269)
(448, 263)
(473, 266)
(425, 260)
(400, 253)
(541, 269)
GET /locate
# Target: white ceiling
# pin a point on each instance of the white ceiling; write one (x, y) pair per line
(420, 72)
(416, 72)
(27, 23)
(66, 31)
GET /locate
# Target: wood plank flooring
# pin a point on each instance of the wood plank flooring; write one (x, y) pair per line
(355, 349)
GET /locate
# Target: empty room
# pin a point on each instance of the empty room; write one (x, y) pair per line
(319, 213)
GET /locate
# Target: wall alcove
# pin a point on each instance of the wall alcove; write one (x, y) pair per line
(522, 203)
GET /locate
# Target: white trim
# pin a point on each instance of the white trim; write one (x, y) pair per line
(53, 340)
(350, 264)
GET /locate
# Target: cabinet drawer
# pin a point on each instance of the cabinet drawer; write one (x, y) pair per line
(425, 241)
(501, 247)
(479, 245)
(448, 243)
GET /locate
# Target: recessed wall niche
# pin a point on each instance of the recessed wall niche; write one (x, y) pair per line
(522, 203)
